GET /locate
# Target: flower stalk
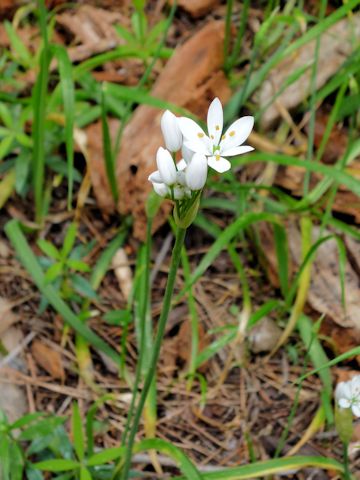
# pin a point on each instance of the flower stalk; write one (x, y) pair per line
(175, 260)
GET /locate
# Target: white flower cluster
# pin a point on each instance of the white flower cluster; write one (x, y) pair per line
(347, 395)
(178, 180)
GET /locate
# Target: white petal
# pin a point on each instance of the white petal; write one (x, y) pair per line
(355, 384)
(191, 130)
(221, 165)
(166, 166)
(237, 151)
(215, 119)
(344, 403)
(155, 177)
(342, 391)
(237, 133)
(161, 189)
(356, 410)
(171, 131)
(186, 153)
(196, 172)
(198, 147)
(181, 165)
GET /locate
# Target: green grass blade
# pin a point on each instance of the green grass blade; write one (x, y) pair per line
(272, 467)
(166, 448)
(107, 149)
(77, 431)
(316, 351)
(56, 465)
(282, 255)
(68, 96)
(38, 133)
(222, 242)
(335, 174)
(28, 259)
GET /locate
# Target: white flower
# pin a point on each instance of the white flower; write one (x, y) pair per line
(217, 146)
(196, 172)
(169, 178)
(347, 395)
(171, 131)
(166, 172)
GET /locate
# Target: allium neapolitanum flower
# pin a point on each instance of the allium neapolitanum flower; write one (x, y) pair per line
(171, 132)
(347, 395)
(215, 145)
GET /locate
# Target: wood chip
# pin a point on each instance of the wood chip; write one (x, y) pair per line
(123, 272)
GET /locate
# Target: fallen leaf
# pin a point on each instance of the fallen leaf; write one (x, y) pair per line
(49, 359)
(93, 30)
(324, 295)
(12, 399)
(7, 316)
(197, 8)
(336, 44)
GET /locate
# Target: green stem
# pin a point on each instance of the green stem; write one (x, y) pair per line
(142, 331)
(176, 255)
(347, 473)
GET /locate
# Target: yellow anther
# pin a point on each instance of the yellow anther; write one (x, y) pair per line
(200, 134)
(212, 137)
(217, 157)
(232, 133)
(217, 127)
(223, 137)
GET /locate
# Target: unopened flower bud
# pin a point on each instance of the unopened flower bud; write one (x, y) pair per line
(196, 172)
(166, 166)
(187, 153)
(171, 131)
(161, 189)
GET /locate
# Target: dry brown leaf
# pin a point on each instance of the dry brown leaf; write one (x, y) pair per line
(336, 44)
(49, 359)
(12, 399)
(190, 79)
(292, 179)
(93, 30)
(7, 316)
(197, 8)
(324, 295)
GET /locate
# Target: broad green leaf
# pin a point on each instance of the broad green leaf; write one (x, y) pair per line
(78, 265)
(48, 248)
(69, 240)
(82, 286)
(54, 272)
